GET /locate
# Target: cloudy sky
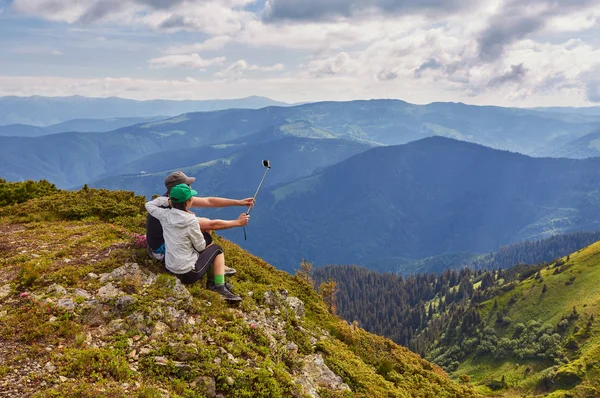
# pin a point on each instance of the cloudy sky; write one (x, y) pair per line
(500, 52)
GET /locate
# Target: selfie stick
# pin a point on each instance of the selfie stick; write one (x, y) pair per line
(267, 165)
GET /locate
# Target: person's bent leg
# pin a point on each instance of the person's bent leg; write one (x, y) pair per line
(213, 260)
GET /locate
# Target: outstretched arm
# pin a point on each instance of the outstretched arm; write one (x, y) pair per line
(221, 202)
(207, 224)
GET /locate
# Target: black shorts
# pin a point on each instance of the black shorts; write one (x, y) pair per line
(205, 261)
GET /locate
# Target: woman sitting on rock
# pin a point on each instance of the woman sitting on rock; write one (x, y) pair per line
(187, 255)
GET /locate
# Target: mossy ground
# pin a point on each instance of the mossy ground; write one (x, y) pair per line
(47, 241)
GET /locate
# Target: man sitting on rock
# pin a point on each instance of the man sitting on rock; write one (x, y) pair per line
(188, 256)
(154, 230)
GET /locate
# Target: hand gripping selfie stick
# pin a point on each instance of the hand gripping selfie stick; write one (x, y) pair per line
(267, 165)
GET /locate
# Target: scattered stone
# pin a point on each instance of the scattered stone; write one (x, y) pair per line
(188, 352)
(4, 291)
(207, 385)
(67, 304)
(62, 379)
(124, 303)
(57, 290)
(231, 358)
(131, 270)
(175, 317)
(91, 275)
(132, 354)
(82, 293)
(250, 293)
(144, 351)
(159, 329)
(94, 316)
(291, 346)
(53, 319)
(109, 292)
(116, 326)
(230, 381)
(179, 292)
(315, 374)
(50, 368)
(296, 305)
(162, 361)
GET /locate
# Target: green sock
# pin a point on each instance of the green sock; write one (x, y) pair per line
(219, 279)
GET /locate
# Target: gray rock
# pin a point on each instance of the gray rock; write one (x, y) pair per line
(159, 329)
(131, 270)
(56, 290)
(316, 374)
(4, 291)
(162, 361)
(91, 275)
(297, 305)
(188, 352)
(109, 292)
(67, 304)
(94, 315)
(230, 381)
(206, 385)
(50, 368)
(291, 346)
(175, 317)
(82, 293)
(180, 292)
(124, 303)
(116, 326)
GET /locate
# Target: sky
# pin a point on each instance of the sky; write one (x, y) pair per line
(520, 53)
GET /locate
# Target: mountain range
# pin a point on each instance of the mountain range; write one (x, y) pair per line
(73, 159)
(46, 111)
(422, 199)
(79, 125)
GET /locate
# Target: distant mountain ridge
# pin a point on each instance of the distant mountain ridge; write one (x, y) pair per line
(587, 146)
(380, 122)
(75, 125)
(423, 199)
(45, 111)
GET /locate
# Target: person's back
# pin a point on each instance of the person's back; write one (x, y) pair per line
(181, 233)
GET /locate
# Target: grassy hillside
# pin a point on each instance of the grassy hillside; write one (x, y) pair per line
(565, 300)
(527, 331)
(85, 313)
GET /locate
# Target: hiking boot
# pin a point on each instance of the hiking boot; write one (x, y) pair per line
(227, 295)
(210, 283)
(229, 271)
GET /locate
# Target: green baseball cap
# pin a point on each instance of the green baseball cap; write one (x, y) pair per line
(181, 193)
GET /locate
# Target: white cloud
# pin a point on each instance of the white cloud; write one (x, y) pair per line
(189, 61)
(473, 55)
(339, 65)
(212, 44)
(237, 69)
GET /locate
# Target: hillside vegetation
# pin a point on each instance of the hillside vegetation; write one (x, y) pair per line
(530, 330)
(85, 313)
